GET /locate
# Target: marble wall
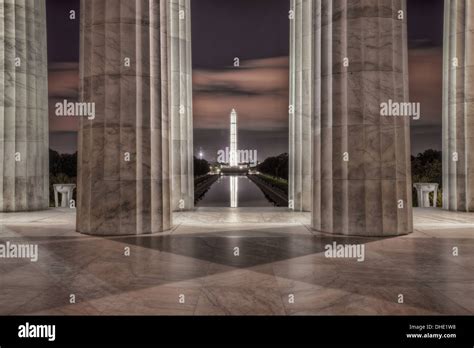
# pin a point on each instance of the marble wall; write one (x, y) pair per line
(458, 106)
(301, 44)
(124, 180)
(361, 160)
(24, 163)
(180, 101)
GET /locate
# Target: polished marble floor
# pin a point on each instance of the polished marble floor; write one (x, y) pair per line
(280, 269)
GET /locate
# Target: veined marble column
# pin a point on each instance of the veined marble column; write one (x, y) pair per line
(24, 153)
(458, 106)
(181, 110)
(361, 160)
(300, 149)
(124, 153)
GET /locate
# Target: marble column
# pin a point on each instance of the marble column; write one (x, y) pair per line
(24, 163)
(458, 106)
(301, 41)
(180, 99)
(124, 153)
(361, 160)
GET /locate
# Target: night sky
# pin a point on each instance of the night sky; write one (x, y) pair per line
(257, 32)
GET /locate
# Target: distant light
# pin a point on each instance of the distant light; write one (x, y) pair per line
(200, 154)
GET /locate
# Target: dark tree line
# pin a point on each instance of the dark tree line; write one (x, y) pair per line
(62, 170)
(427, 167)
(201, 166)
(62, 164)
(65, 166)
(275, 166)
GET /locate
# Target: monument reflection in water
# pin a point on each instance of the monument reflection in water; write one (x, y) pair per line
(234, 191)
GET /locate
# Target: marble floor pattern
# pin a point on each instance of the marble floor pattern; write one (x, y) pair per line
(280, 258)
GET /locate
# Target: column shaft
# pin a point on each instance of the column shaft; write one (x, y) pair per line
(361, 160)
(181, 110)
(458, 106)
(24, 162)
(301, 43)
(124, 153)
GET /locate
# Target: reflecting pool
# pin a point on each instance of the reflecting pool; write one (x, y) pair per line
(234, 191)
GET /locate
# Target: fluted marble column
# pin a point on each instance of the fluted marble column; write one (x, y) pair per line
(24, 164)
(181, 111)
(124, 153)
(301, 43)
(458, 106)
(361, 160)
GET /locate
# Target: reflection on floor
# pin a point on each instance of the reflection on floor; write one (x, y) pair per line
(279, 260)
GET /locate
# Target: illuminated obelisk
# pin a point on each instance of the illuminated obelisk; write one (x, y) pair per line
(233, 160)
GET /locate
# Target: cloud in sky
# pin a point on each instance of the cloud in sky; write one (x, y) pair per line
(63, 80)
(63, 83)
(258, 90)
(426, 79)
